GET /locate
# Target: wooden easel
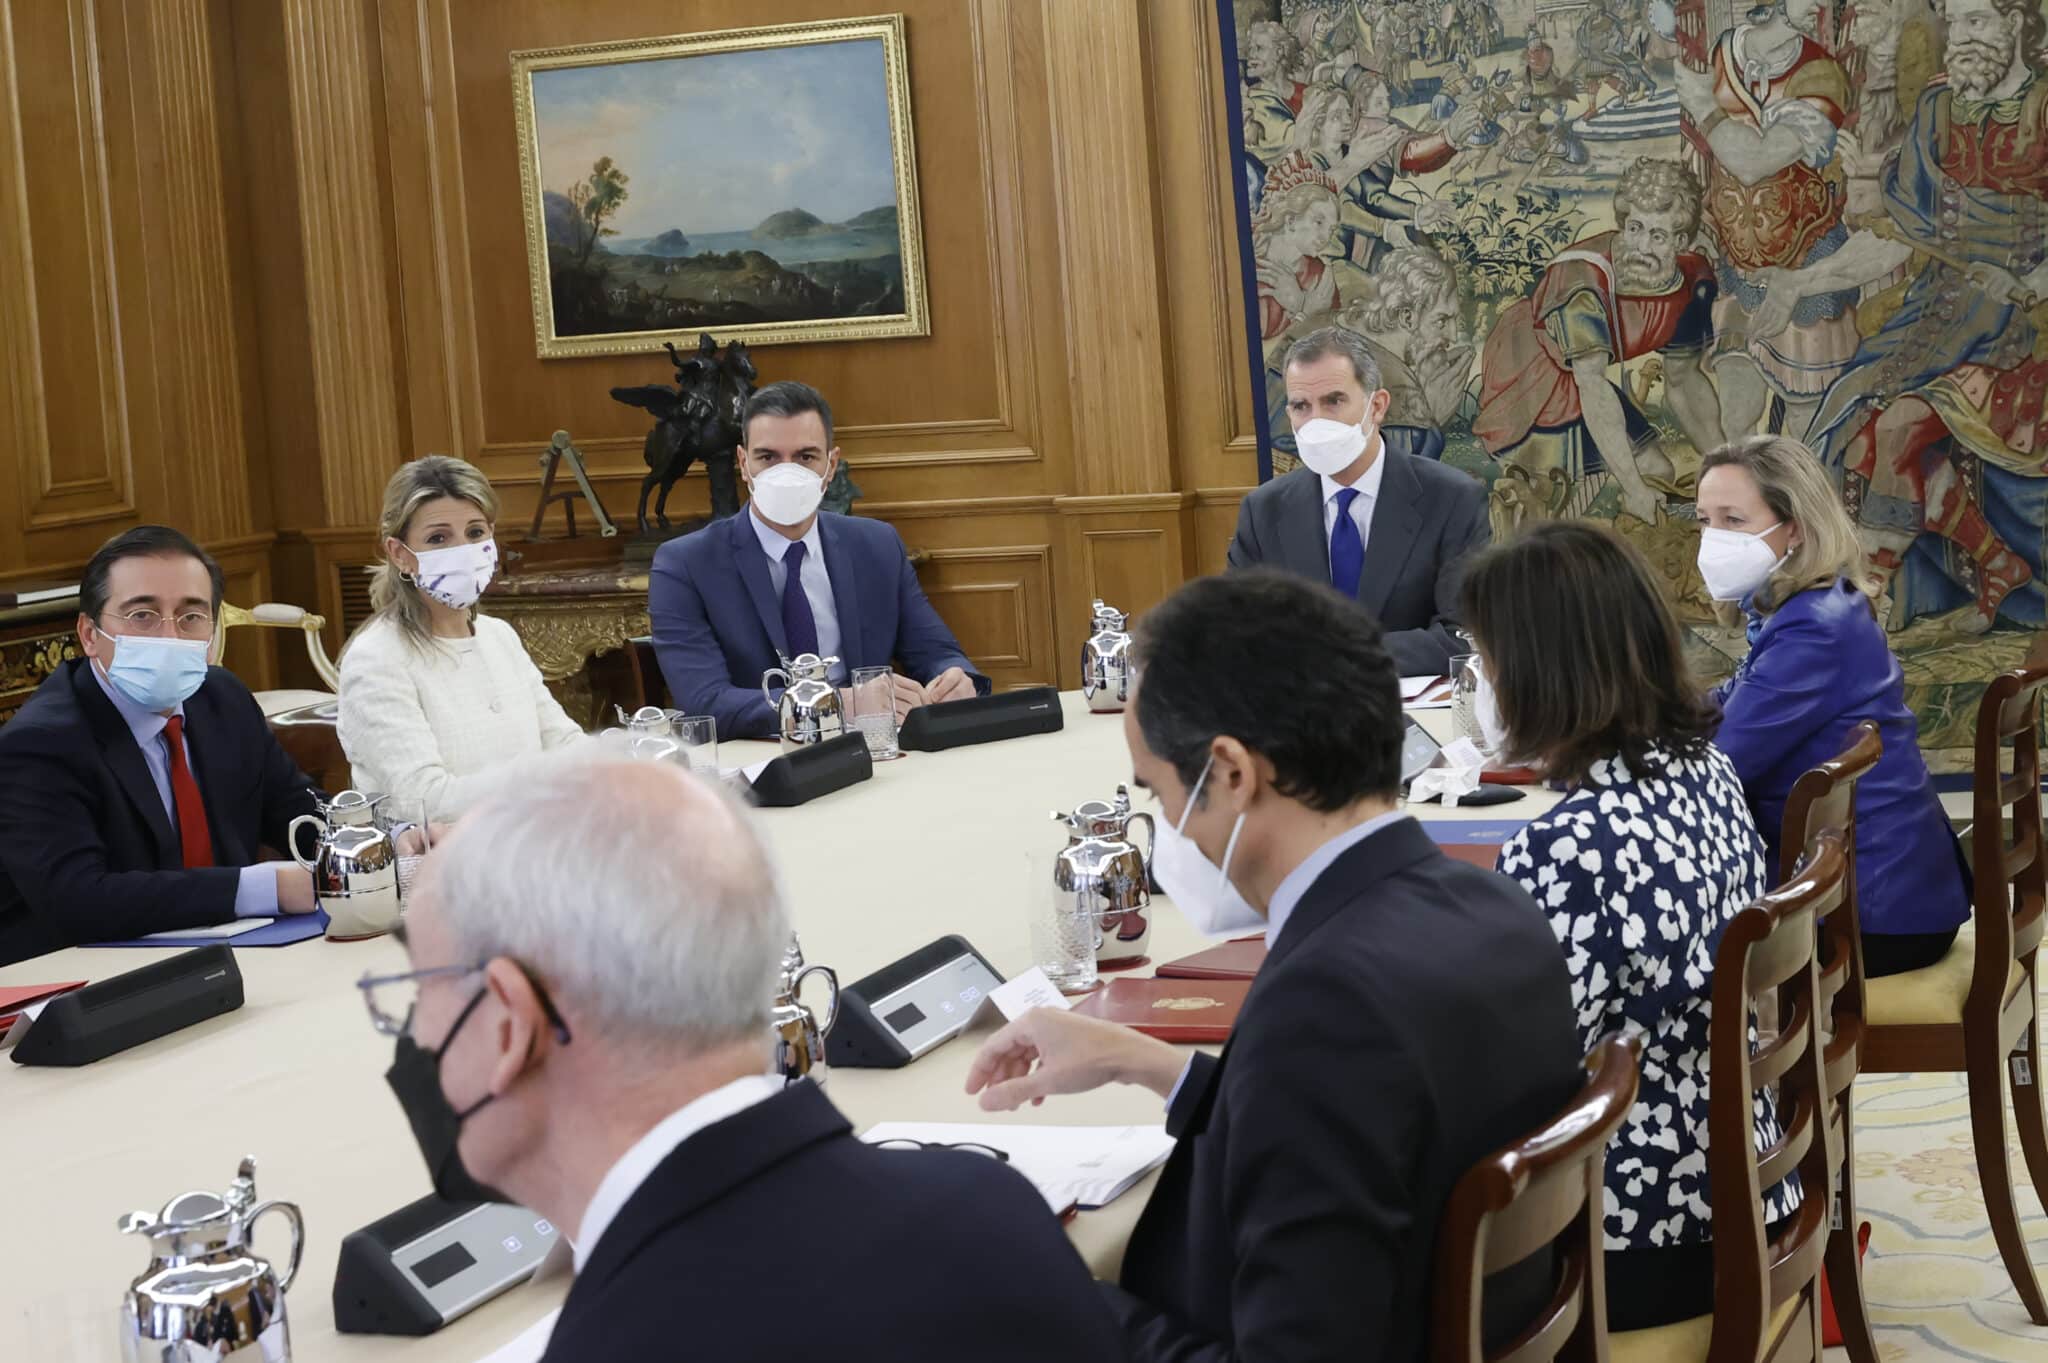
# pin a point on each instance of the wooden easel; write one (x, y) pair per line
(551, 460)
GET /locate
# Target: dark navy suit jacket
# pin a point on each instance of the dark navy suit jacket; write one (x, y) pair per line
(1818, 666)
(718, 622)
(1414, 1015)
(775, 1235)
(87, 853)
(1428, 522)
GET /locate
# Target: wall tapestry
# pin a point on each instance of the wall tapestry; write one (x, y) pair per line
(758, 182)
(1822, 217)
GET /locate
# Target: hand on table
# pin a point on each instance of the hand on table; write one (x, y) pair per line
(295, 890)
(952, 684)
(1050, 1050)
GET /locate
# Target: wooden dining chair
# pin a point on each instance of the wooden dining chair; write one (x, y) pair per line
(1542, 1191)
(1766, 1293)
(1977, 1011)
(1822, 799)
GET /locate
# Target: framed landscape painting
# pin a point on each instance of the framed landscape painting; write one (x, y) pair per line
(760, 183)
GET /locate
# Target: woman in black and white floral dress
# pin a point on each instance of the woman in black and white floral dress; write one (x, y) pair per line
(1639, 868)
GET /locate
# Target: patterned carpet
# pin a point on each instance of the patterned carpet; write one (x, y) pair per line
(1936, 1286)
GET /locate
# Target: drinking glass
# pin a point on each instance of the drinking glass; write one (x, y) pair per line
(1464, 699)
(1065, 929)
(874, 711)
(698, 737)
(406, 821)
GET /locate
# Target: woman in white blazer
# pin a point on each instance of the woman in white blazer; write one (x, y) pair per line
(440, 704)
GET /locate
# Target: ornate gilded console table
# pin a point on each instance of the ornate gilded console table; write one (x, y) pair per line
(575, 622)
(34, 640)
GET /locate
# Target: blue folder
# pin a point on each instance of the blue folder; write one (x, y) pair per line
(279, 932)
(1473, 833)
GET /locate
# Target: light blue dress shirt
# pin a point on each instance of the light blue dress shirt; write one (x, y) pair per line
(817, 583)
(256, 895)
(1288, 896)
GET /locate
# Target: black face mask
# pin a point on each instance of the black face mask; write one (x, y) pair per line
(415, 1079)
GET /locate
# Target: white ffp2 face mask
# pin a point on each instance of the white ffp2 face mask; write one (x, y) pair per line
(1329, 447)
(786, 494)
(1734, 564)
(1198, 887)
(457, 574)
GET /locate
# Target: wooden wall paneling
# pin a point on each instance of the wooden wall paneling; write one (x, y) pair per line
(272, 238)
(22, 413)
(334, 65)
(80, 323)
(206, 458)
(955, 414)
(252, 652)
(1211, 523)
(1127, 550)
(1215, 426)
(997, 599)
(1103, 155)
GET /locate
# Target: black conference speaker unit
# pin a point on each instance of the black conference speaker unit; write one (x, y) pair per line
(982, 719)
(431, 1261)
(815, 769)
(95, 1022)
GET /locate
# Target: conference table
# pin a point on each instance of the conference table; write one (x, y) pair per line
(935, 843)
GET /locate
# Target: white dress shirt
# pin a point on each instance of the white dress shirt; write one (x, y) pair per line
(1295, 884)
(625, 1177)
(1368, 487)
(817, 582)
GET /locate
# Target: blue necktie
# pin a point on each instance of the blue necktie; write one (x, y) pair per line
(799, 626)
(1347, 554)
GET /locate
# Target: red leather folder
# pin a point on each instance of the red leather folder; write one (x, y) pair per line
(1237, 959)
(1196, 1011)
(1480, 854)
(13, 1000)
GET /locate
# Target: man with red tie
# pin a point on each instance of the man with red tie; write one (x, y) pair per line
(139, 785)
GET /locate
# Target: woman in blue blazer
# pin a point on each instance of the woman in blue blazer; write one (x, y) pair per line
(1774, 538)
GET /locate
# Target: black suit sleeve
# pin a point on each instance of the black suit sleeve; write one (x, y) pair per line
(1427, 652)
(53, 851)
(1244, 545)
(1324, 1145)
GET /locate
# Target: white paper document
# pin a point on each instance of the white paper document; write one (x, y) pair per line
(234, 929)
(1072, 1166)
(1425, 693)
(1014, 998)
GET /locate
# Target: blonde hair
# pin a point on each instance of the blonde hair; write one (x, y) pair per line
(1797, 490)
(393, 596)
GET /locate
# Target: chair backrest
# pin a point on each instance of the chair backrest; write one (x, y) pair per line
(1825, 798)
(1544, 1190)
(277, 615)
(1769, 949)
(2011, 876)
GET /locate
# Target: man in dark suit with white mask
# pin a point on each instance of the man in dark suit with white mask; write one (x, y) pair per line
(1413, 1013)
(1389, 529)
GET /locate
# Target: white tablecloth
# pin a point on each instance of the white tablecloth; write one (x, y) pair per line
(934, 844)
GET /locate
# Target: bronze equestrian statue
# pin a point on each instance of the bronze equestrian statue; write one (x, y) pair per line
(698, 418)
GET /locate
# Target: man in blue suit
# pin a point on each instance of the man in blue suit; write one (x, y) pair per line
(781, 579)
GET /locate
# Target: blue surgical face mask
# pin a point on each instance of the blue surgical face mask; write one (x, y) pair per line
(154, 672)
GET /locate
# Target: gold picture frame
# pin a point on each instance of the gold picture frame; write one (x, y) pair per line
(605, 281)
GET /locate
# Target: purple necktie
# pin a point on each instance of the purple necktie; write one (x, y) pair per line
(799, 626)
